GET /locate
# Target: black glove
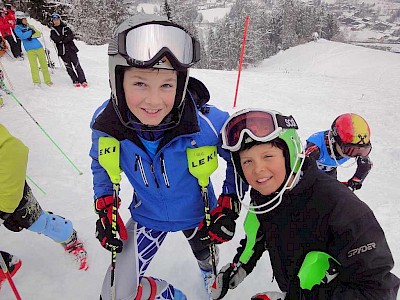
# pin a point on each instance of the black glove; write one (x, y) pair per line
(222, 223)
(354, 183)
(228, 278)
(9, 222)
(104, 207)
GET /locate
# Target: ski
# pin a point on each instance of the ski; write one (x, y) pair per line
(50, 62)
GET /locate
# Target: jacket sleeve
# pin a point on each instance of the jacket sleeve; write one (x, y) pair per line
(102, 185)
(55, 37)
(364, 165)
(365, 257)
(13, 163)
(312, 151)
(257, 251)
(68, 36)
(36, 33)
(22, 35)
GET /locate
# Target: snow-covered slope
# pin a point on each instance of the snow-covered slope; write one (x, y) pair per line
(314, 82)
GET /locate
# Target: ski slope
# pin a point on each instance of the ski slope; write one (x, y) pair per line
(314, 82)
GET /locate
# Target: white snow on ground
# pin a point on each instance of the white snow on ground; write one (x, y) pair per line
(314, 82)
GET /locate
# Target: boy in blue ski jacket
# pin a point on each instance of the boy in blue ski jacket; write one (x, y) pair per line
(349, 137)
(154, 113)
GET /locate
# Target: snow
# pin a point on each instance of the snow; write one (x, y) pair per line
(314, 82)
(212, 15)
(148, 8)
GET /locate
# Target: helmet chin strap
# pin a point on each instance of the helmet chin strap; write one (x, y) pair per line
(287, 186)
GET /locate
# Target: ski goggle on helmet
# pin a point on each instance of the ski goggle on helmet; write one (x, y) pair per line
(352, 134)
(263, 126)
(146, 44)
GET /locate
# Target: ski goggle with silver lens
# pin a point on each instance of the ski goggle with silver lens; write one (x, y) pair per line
(353, 150)
(261, 125)
(144, 46)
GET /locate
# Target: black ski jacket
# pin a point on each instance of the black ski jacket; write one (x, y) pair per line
(63, 37)
(321, 214)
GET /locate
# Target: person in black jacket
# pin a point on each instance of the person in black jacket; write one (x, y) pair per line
(63, 37)
(323, 241)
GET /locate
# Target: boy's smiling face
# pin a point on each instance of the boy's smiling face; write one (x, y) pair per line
(150, 93)
(264, 167)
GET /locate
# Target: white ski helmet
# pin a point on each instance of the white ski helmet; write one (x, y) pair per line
(20, 15)
(142, 41)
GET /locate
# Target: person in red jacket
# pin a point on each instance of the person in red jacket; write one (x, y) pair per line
(7, 24)
(10, 17)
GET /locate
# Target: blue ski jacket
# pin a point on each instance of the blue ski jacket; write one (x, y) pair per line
(166, 196)
(29, 36)
(325, 161)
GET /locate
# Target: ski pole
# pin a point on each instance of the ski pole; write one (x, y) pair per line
(59, 60)
(8, 276)
(44, 131)
(35, 184)
(203, 161)
(109, 159)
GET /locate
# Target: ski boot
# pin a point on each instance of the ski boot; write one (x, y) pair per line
(75, 248)
(208, 278)
(13, 264)
(179, 295)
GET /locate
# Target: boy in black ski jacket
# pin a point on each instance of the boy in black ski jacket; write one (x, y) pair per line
(323, 242)
(63, 37)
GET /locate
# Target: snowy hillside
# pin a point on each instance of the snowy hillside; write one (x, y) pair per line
(314, 82)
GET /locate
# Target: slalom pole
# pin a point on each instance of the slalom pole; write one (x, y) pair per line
(35, 184)
(8, 276)
(109, 150)
(246, 25)
(44, 131)
(203, 161)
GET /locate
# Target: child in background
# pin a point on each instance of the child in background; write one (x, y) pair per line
(349, 137)
(312, 226)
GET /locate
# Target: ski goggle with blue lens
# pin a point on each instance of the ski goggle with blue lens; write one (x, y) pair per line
(146, 45)
(259, 124)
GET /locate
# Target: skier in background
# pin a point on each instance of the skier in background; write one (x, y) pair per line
(349, 137)
(19, 208)
(63, 38)
(29, 36)
(7, 25)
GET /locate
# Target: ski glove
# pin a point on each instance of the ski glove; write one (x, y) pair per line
(228, 278)
(222, 223)
(104, 207)
(269, 296)
(354, 183)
